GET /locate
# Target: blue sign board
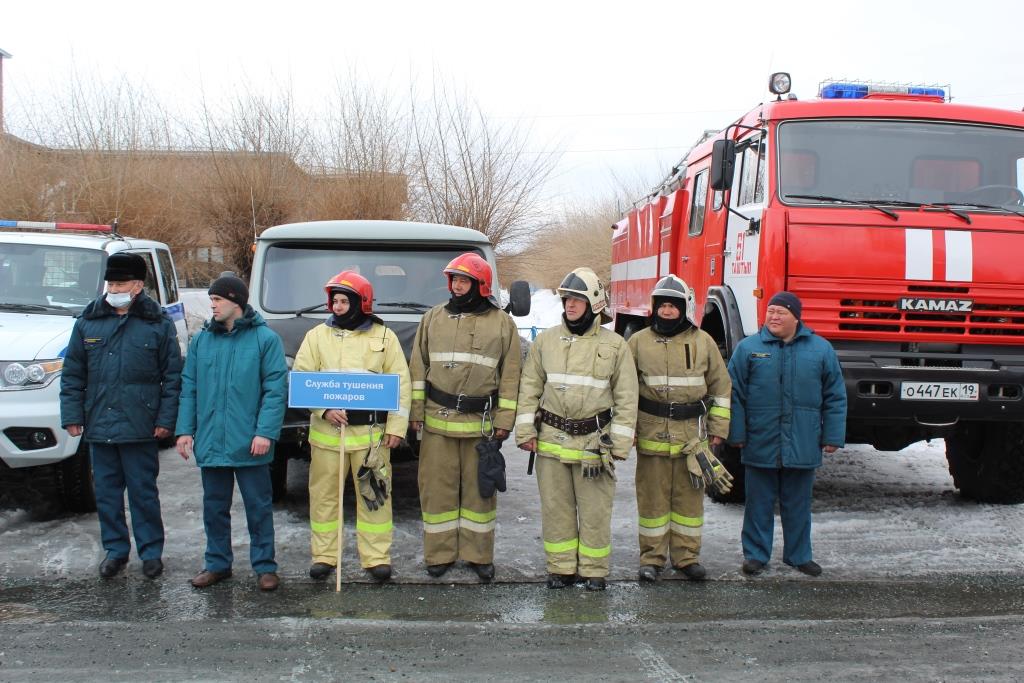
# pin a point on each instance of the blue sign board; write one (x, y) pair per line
(343, 390)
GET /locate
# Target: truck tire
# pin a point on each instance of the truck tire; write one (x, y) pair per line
(279, 475)
(986, 461)
(730, 457)
(76, 489)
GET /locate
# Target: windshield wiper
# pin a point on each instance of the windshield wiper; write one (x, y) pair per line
(412, 305)
(922, 205)
(309, 309)
(991, 207)
(843, 200)
(33, 307)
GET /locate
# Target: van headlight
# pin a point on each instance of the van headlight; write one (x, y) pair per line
(29, 374)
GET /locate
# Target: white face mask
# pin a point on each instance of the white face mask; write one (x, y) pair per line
(120, 300)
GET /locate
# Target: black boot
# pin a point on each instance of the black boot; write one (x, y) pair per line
(648, 573)
(439, 570)
(112, 566)
(484, 571)
(595, 583)
(152, 568)
(561, 580)
(380, 573)
(752, 567)
(693, 572)
(320, 570)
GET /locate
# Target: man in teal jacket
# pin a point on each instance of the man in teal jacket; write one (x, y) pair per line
(788, 404)
(232, 405)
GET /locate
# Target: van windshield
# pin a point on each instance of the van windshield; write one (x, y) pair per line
(923, 162)
(410, 279)
(37, 278)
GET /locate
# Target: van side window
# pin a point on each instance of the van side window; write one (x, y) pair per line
(700, 200)
(150, 284)
(167, 274)
(752, 174)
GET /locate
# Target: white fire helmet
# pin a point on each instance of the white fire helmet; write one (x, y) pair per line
(583, 283)
(672, 287)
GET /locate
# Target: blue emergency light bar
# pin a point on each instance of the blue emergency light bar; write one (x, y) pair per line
(856, 91)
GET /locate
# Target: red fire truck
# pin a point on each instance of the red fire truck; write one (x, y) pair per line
(898, 218)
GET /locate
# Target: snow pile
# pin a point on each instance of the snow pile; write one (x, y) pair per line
(545, 312)
(197, 309)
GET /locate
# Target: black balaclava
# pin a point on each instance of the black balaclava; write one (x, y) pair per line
(665, 327)
(583, 324)
(354, 317)
(470, 302)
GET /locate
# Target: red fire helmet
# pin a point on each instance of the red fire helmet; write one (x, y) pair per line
(352, 282)
(473, 266)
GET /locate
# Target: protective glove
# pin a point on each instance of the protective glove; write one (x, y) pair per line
(373, 486)
(712, 470)
(490, 472)
(693, 469)
(592, 467)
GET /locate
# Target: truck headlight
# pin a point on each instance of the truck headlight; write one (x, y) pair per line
(29, 374)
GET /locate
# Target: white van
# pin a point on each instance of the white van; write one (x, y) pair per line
(49, 272)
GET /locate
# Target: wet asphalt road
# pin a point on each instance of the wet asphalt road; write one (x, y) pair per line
(133, 629)
(919, 585)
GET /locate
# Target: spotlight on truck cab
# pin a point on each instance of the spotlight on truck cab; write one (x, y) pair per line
(779, 83)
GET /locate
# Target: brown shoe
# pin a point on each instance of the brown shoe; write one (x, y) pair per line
(268, 581)
(206, 578)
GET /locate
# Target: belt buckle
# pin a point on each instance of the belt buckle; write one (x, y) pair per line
(672, 410)
(458, 402)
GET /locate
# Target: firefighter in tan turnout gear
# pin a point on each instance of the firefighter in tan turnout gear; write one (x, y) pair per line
(353, 340)
(580, 385)
(465, 377)
(684, 400)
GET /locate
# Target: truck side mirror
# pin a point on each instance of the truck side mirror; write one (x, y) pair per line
(723, 161)
(519, 298)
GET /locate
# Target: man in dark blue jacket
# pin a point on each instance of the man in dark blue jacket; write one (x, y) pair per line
(233, 395)
(119, 391)
(788, 404)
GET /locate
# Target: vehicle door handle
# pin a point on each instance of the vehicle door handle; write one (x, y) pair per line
(684, 259)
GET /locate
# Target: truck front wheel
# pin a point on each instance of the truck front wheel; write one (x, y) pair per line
(986, 461)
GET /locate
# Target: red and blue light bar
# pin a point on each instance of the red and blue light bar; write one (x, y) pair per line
(855, 91)
(35, 225)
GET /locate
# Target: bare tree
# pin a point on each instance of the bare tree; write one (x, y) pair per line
(473, 173)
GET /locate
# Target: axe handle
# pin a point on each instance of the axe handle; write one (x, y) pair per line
(529, 465)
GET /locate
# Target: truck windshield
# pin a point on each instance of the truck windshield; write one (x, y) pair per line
(921, 162)
(40, 278)
(409, 279)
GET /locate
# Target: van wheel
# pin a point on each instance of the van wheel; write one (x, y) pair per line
(76, 487)
(730, 457)
(986, 461)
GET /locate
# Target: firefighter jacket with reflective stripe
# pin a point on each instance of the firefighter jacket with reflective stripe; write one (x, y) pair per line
(578, 378)
(374, 349)
(475, 354)
(681, 369)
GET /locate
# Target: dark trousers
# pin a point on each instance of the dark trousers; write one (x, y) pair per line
(218, 489)
(792, 488)
(132, 466)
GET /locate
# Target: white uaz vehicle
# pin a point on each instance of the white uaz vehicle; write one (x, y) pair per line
(49, 272)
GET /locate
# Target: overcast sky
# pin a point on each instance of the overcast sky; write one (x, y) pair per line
(621, 89)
